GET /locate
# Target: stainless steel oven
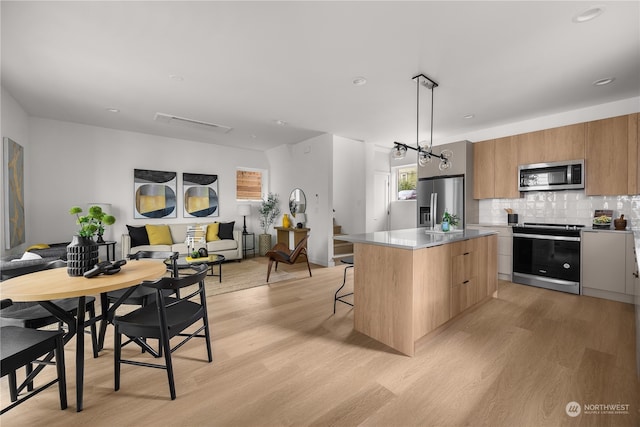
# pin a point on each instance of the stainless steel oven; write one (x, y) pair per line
(547, 256)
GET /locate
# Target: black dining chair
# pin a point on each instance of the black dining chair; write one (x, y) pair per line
(32, 315)
(21, 347)
(140, 296)
(163, 319)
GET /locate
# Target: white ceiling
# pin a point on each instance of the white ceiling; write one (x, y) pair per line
(248, 64)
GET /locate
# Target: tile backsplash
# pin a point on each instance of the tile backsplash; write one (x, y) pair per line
(560, 207)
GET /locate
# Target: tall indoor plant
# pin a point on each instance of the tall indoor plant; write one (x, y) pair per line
(82, 252)
(269, 210)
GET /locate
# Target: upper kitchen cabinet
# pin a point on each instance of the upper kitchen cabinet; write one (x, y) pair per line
(460, 152)
(552, 145)
(483, 169)
(612, 156)
(495, 167)
(506, 168)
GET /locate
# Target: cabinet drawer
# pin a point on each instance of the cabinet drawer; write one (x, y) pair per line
(464, 267)
(463, 296)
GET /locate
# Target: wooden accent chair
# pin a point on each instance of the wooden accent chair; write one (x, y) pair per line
(280, 253)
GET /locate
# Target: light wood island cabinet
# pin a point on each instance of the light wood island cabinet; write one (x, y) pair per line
(407, 283)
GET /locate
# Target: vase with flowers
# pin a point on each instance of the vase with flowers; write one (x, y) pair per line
(82, 252)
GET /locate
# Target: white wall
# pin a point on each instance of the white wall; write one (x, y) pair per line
(308, 166)
(349, 184)
(14, 124)
(72, 164)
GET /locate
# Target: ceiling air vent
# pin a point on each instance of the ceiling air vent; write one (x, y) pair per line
(191, 123)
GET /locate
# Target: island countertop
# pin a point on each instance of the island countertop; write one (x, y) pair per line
(414, 238)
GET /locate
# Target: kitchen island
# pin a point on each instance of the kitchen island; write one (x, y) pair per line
(409, 282)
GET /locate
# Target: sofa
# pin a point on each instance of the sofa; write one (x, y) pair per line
(219, 238)
(17, 265)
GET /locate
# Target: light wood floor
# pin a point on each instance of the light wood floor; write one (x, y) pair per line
(281, 358)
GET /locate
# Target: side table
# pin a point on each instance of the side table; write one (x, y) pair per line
(251, 238)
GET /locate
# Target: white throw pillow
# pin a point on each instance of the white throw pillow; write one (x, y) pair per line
(28, 256)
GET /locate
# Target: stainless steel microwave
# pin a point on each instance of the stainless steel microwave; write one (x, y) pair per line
(567, 175)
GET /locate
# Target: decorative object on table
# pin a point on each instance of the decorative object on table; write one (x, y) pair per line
(195, 254)
(301, 219)
(424, 148)
(196, 234)
(602, 218)
(244, 210)
(286, 222)
(269, 210)
(154, 194)
(105, 267)
(82, 252)
(13, 178)
(620, 223)
(200, 195)
(451, 221)
(203, 253)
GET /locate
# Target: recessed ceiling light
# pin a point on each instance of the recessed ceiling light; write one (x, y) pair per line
(112, 110)
(280, 122)
(359, 81)
(176, 77)
(603, 82)
(589, 14)
(468, 116)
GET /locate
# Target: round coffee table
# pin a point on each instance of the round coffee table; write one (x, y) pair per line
(185, 261)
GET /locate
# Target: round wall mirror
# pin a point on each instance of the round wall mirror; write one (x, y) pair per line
(297, 202)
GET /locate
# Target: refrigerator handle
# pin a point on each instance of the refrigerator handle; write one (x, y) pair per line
(434, 215)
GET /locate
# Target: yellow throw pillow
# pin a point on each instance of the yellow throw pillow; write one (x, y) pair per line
(37, 246)
(212, 232)
(159, 235)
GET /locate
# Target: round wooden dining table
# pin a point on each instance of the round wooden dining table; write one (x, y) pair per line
(47, 285)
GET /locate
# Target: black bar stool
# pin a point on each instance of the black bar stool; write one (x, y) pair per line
(336, 298)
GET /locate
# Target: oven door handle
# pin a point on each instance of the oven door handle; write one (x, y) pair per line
(546, 237)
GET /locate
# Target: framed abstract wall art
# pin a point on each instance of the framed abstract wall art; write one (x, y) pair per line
(13, 178)
(155, 194)
(200, 195)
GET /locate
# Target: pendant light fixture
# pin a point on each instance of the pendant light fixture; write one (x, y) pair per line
(424, 148)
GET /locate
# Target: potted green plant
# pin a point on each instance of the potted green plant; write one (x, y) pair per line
(449, 221)
(269, 210)
(82, 252)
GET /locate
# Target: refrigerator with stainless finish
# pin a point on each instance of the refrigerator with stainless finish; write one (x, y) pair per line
(437, 194)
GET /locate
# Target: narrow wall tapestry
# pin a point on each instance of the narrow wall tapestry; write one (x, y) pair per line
(155, 194)
(13, 177)
(200, 195)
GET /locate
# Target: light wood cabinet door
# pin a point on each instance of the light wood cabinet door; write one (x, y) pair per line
(612, 156)
(506, 168)
(564, 143)
(530, 147)
(552, 145)
(483, 169)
